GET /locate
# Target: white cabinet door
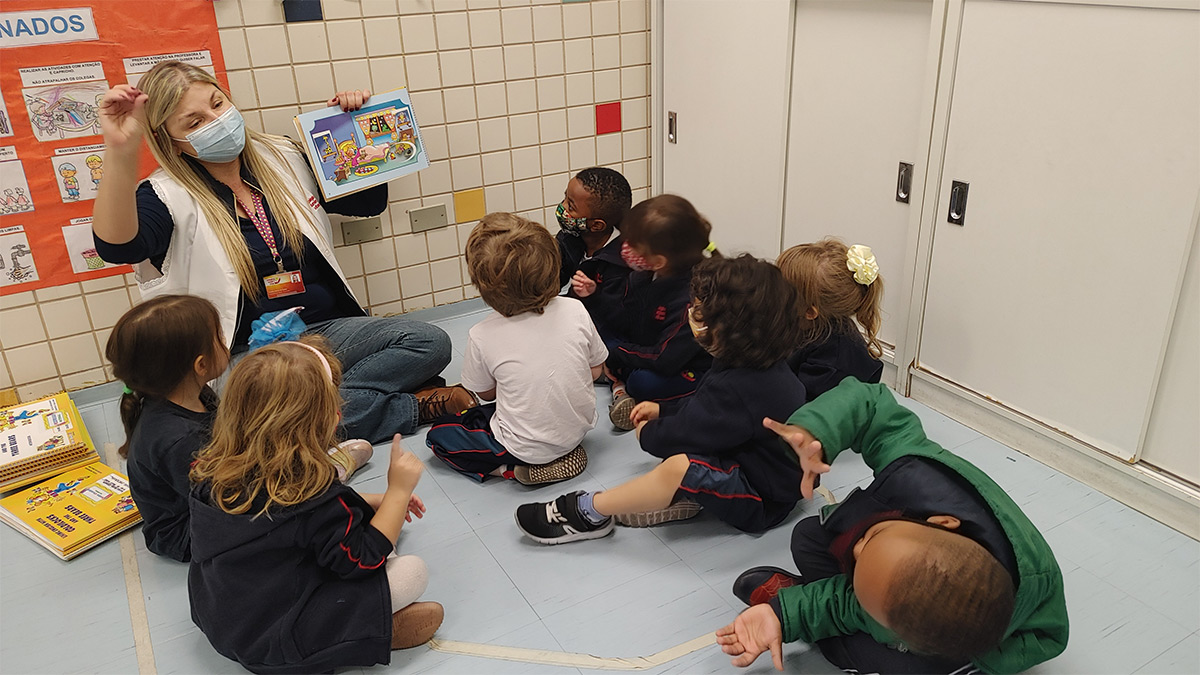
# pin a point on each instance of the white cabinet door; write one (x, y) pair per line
(858, 84)
(724, 75)
(1076, 127)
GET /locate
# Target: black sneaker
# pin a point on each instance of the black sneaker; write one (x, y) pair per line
(559, 521)
(759, 585)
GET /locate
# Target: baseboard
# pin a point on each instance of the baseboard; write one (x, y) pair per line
(1158, 495)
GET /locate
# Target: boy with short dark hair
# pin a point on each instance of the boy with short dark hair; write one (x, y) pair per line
(930, 568)
(536, 356)
(589, 243)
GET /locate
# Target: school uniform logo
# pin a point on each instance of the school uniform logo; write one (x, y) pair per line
(660, 314)
(314, 202)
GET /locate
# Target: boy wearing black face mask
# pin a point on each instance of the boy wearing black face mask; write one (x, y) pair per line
(589, 242)
(930, 568)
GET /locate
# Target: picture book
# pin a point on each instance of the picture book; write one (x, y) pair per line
(73, 511)
(352, 151)
(40, 439)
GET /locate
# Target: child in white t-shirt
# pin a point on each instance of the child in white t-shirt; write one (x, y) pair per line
(536, 356)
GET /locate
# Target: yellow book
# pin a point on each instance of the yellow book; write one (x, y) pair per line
(41, 438)
(73, 511)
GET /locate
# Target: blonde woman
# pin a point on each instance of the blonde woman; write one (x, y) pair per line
(235, 216)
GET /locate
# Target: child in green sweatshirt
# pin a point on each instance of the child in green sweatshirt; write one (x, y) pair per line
(930, 568)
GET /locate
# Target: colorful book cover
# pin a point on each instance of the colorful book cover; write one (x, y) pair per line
(74, 510)
(352, 151)
(41, 438)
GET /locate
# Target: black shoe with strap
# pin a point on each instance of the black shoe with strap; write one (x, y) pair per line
(559, 521)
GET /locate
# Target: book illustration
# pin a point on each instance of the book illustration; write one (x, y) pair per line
(356, 150)
(51, 443)
(41, 495)
(13, 418)
(14, 189)
(16, 258)
(42, 438)
(65, 110)
(5, 120)
(124, 505)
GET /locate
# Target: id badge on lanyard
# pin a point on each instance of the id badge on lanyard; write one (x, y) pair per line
(284, 282)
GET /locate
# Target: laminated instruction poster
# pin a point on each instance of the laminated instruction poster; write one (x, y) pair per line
(59, 63)
(352, 151)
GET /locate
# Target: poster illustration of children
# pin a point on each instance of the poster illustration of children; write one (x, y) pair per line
(14, 197)
(65, 110)
(96, 164)
(16, 259)
(79, 171)
(5, 120)
(70, 183)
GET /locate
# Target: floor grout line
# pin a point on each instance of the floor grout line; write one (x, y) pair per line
(138, 619)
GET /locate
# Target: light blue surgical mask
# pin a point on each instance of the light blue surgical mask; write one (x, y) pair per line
(221, 140)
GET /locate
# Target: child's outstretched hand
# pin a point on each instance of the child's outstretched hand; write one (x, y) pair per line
(807, 448)
(404, 469)
(582, 285)
(416, 507)
(755, 631)
(644, 412)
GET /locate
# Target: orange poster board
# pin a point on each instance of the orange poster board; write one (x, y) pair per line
(56, 59)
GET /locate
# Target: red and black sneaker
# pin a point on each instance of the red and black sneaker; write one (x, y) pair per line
(758, 585)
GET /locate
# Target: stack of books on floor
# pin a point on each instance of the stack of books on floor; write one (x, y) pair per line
(70, 501)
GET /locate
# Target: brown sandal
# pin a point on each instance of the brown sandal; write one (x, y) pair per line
(415, 624)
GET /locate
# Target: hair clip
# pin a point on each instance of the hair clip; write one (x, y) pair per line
(710, 249)
(128, 391)
(861, 261)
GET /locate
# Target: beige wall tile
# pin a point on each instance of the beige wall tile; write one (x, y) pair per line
(351, 75)
(516, 25)
(635, 49)
(551, 92)
(449, 5)
(608, 149)
(233, 48)
(378, 256)
(499, 198)
(553, 125)
(456, 68)
(523, 129)
(636, 144)
(526, 162)
(581, 121)
(76, 353)
(378, 7)
(527, 194)
(419, 302)
(490, 100)
(497, 168)
(410, 249)
(268, 46)
(383, 36)
(388, 309)
(105, 307)
(346, 39)
(383, 287)
(485, 28)
(466, 172)
(314, 82)
(637, 173)
(103, 284)
(57, 292)
(428, 107)
(259, 12)
(445, 274)
(21, 326)
(275, 86)
(241, 88)
(606, 52)
(350, 259)
(582, 153)
(514, 3)
(493, 134)
(452, 31)
(548, 56)
(605, 17)
(635, 82)
(554, 157)
(359, 287)
(448, 296)
(5, 378)
(423, 71)
(419, 33)
(635, 113)
(577, 20)
(17, 299)
(578, 55)
(460, 104)
(228, 14)
(415, 281)
(399, 213)
(387, 73)
(279, 120)
(483, 4)
(608, 85)
(635, 15)
(518, 61)
(436, 178)
(579, 89)
(308, 42)
(547, 23)
(464, 139)
(87, 378)
(341, 9)
(552, 193)
(414, 6)
(437, 146)
(522, 96)
(488, 63)
(443, 243)
(65, 317)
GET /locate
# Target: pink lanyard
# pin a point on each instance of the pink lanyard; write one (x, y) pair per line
(258, 216)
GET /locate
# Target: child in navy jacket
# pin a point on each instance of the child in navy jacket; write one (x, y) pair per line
(291, 570)
(717, 454)
(840, 293)
(589, 243)
(657, 358)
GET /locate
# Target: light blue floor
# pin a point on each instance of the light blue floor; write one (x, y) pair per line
(1132, 583)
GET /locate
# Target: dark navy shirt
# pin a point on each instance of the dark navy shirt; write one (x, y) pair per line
(324, 297)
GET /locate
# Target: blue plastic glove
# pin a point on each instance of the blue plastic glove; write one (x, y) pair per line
(276, 327)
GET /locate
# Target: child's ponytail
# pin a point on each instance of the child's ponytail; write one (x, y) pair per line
(131, 411)
(868, 316)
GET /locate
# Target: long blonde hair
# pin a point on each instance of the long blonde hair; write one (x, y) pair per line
(819, 273)
(273, 430)
(164, 86)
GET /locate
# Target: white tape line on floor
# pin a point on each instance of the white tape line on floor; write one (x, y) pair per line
(569, 659)
(138, 620)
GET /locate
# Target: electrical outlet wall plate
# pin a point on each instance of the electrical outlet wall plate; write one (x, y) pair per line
(428, 218)
(361, 230)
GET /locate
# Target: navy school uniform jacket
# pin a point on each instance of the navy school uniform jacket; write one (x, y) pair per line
(303, 589)
(822, 365)
(724, 419)
(161, 449)
(608, 269)
(654, 323)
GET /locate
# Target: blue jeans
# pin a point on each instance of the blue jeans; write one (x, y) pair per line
(383, 360)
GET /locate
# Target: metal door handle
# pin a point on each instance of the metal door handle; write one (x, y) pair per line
(958, 202)
(670, 127)
(904, 182)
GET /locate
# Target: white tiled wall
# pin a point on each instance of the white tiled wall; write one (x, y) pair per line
(504, 90)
